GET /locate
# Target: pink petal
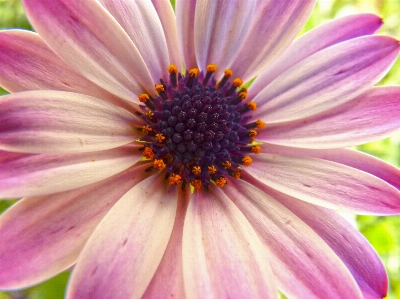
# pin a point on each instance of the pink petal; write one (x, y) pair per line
(71, 29)
(274, 26)
(346, 241)
(28, 64)
(222, 256)
(303, 263)
(371, 116)
(62, 122)
(32, 175)
(168, 20)
(326, 184)
(140, 21)
(219, 27)
(349, 157)
(42, 236)
(185, 12)
(315, 40)
(167, 282)
(122, 255)
(327, 79)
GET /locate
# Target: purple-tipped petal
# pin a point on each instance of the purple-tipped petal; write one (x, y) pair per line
(123, 253)
(303, 263)
(371, 116)
(327, 79)
(42, 236)
(315, 40)
(140, 21)
(349, 157)
(274, 26)
(103, 54)
(326, 184)
(185, 12)
(219, 27)
(27, 63)
(222, 256)
(167, 282)
(32, 175)
(62, 122)
(168, 21)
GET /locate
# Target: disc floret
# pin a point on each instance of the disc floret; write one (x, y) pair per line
(197, 129)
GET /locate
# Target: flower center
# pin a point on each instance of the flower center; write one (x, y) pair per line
(198, 129)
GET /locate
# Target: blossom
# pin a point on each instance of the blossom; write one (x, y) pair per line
(147, 164)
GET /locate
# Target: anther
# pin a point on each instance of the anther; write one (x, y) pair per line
(212, 169)
(259, 124)
(220, 182)
(226, 164)
(196, 184)
(148, 153)
(252, 133)
(211, 68)
(246, 160)
(235, 174)
(160, 138)
(248, 107)
(173, 71)
(227, 74)
(161, 91)
(159, 164)
(174, 179)
(237, 82)
(193, 73)
(256, 149)
(146, 129)
(196, 170)
(145, 98)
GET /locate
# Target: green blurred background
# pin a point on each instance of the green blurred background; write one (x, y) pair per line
(382, 232)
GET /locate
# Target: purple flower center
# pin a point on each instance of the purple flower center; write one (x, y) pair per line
(198, 129)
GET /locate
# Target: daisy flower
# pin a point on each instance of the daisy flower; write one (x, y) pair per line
(147, 161)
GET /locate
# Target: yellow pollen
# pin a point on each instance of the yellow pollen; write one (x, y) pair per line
(228, 73)
(144, 97)
(242, 95)
(174, 179)
(212, 169)
(160, 138)
(220, 182)
(196, 170)
(159, 88)
(148, 153)
(247, 161)
(252, 133)
(235, 174)
(237, 82)
(146, 129)
(260, 124)
(212, 68)
(172, 69)
(159, 164)
(252, 106)
(196, 184)
(149, 114)
(194, 72)
(256, 149)
(227, 164)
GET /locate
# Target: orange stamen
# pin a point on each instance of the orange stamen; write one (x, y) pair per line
(160, 138)
(148, 153)
(227, 164)
(252, 133)
(252, 106)
(194, 72)
(260, 124)
(256, 149)
(235, 174)
(159, 88)
(196, 184)
(212, 68)
(221, 182)
(143, 97)
(159, 164)
(212, 169)
(237, 82)
(247, 161)
(174, 179)
(228, 73)
(196, 170)
(172, 69)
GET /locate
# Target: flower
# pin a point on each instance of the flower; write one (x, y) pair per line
(160, 181)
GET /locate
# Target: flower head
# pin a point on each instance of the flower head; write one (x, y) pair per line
(149, 163)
